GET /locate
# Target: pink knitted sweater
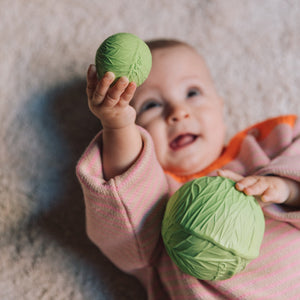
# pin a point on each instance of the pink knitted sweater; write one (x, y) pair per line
(124, 214)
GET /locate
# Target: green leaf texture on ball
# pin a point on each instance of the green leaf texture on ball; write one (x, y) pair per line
(124, 54)
(211, 230)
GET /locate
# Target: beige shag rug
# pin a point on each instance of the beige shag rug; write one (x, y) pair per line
(252, 47)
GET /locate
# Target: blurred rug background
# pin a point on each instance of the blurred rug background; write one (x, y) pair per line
(251, 46)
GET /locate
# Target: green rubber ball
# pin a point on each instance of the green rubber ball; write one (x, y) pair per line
(124, 54)
(211, 230)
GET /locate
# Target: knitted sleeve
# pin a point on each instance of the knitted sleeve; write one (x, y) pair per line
(123, 214)
(284, 162)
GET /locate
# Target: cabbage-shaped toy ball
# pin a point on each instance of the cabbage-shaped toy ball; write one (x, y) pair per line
(124, 54)
(211, 230)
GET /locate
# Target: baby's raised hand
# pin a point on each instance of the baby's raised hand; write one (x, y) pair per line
(269, 189)
(109, 103)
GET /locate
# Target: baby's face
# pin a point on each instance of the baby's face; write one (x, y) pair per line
(180, 108)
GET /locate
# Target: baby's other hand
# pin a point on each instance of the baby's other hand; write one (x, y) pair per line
(268, 189)
(109, 103)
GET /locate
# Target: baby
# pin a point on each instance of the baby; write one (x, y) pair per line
(164, 133)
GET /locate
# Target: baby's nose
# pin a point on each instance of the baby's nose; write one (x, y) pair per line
(177, 114)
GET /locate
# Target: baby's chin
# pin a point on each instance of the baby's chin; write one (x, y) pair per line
(190, 168)
(183, 172)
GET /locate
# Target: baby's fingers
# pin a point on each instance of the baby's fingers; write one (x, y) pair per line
(101, 90)
(114, 93)
(92, 81)
(270, 195)
(128, 93)
(252, 185)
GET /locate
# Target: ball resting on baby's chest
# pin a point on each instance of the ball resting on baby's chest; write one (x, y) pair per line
(211, 230)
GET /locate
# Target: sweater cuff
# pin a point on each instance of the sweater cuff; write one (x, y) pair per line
(283, 213)
(89, 167)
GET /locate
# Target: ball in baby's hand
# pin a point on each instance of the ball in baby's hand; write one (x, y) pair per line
(124, 54)
(211, 230)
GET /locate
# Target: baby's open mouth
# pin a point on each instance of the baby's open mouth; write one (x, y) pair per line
(183, 140)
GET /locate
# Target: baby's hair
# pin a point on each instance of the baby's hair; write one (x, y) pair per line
(168, 43)
(165, 43)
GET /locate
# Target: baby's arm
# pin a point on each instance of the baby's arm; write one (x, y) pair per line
(121, 138)
(270, 189)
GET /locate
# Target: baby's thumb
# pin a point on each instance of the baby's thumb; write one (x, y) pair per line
(230, 175)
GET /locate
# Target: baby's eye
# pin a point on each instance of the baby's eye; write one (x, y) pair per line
(150, 105)
(193, 92)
